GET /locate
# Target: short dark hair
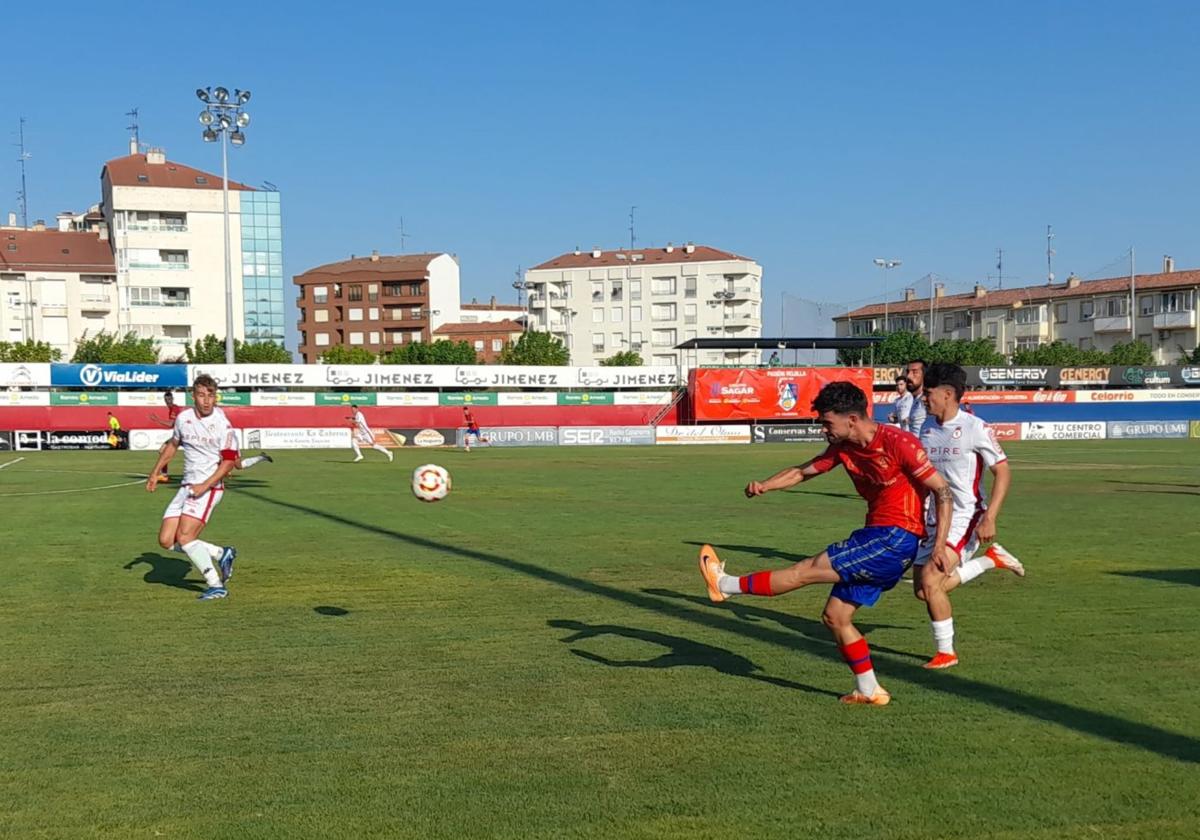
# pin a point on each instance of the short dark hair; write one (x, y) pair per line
(924, 364)
(204, 381)
(841, 398)
(902, 378)
(947, 375)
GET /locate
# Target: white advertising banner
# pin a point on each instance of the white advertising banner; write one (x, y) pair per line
(148, 399)
(281, 398)
(142, 440)
(434, 376)
(1088, 430)
(30, 398)
(641, 398)
(25, 375)
(299, 438)
(705, 434)
(1140, 395)
(407, 398)
(527, 398)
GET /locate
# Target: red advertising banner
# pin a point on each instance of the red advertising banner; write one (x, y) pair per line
(1006, 431)
(766, 393)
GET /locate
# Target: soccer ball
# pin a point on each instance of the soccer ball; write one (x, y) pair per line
(430, 483)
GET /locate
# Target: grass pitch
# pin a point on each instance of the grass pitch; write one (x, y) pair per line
(535, 657)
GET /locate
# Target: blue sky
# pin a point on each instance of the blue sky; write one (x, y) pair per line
(812, 137)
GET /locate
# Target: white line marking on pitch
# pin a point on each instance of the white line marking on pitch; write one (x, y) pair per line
(10, 463)
(75, 490)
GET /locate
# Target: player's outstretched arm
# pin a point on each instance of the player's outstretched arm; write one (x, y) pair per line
(785, 478)
(158, 421)
(168, 452)
(1001, 481)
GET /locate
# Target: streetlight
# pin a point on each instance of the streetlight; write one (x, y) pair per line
(225, 119)
(884, 265)
(628, 303)
(723, 297)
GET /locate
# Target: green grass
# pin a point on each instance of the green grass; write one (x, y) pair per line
(534, 657)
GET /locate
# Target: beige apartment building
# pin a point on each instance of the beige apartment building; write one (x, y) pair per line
(647, 300)
(1159, 309)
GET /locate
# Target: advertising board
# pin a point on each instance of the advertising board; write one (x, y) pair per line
(606, 435)
(83, 439)
(793, 433)
(765, 393)
(24, 374)
(422, 438)
(702, 434)
(1148, 428)
(515, 435)
(144, 440)
(297, 438)
(1090, 430)
(119, 376)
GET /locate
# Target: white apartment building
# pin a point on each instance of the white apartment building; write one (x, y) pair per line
(1088, 314)
(647, 300)
(167, 231)
(56, 285)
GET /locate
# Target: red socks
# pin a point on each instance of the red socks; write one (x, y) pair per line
(758, 583)
(857, 656)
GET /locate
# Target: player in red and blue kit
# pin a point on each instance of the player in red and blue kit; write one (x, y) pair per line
(173, 411)
(472, 431)
(892, 473)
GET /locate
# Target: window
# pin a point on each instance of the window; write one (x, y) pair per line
(415, 335)
(322, 339)
(414, 289)
(598, 342)
(356, 338)
(862, 327)
(993, 329)
(1175, 302)
(355, 292)
(320, 316)
(689, 313)
(1031, 315)
(337, 291)
(617, 340)
(174, 257)
(373, 338)
(354, 314)
(688, 335)
(1060, 313)
(662, 286)
(1114, 307)
(635, 313)
(617, 291)
(662, 312)
(598, 292)
(616, 314)
(497, 345)
(479, 345)
(663, 338)
(635, 341)
(1028, 343)
(598, 315)
(901, 323)
(414, 312)
(393, 289)
(956, 321)
(635, 289)
(689, 287)
(320, 294)
(373, 313)
(1087, 310)
(373, 292)
(1146, 304)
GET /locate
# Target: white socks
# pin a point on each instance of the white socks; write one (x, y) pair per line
(972, 569)
(382, 449)
(729, 584)
(201, 555)
(867, 684)
(247, 463)
(943, 635)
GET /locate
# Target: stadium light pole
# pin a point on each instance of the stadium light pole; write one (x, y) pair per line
(723, 297)
(629, 261)
(224, 118)
(884, 265)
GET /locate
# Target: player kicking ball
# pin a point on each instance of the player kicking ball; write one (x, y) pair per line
(892, 473)
(959, 446)
(362, 433)
(472, 431)
(210, 452)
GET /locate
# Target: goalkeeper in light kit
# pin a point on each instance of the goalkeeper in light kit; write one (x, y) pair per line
(959, 446)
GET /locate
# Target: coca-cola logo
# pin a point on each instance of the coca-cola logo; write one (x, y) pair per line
(1051, 396)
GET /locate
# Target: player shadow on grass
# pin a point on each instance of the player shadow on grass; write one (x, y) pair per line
(166, 571)
(680, 653)
(1003, 698)
(758, 550)
(1188, 577)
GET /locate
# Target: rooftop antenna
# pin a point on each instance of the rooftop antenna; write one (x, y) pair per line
(632, 238)
(137, 139)
(1049, 255)
(1000, 265)
(403, 236)
(24, 194)
(269, 187)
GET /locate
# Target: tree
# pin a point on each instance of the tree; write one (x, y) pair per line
(29, 351)
(961, 351)
(261, 353)
(340, 354)
(535, 348)
(107, 348)
(1131, 353)
(897, 348)
(440, 352)
(209, 350)
(1187, 358)
(626, 358)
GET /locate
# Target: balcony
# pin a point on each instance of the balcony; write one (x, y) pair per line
(1111, 324)
(536, 302)
(1183, 320)
(95, 303)
(158, 226)
(160, 266)
(1037, 329)
(743, 292)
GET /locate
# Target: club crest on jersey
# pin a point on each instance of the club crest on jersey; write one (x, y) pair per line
(788, 395)
(957, 433)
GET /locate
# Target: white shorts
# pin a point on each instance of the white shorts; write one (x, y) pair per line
(363, 437)
(962, 540)
(200, 508)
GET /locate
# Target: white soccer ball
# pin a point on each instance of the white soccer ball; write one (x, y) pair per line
(430, 483)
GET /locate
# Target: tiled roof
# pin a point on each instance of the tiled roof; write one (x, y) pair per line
(129, 171)
(414, 266)
(55, 250)
(649, 256)
(1031, 294)
(480, 328)
(493, 307)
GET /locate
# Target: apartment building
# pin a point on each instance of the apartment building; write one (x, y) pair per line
(167, 231)
(647, 300)
(56, 285)
(1159, 309)
(376, 302)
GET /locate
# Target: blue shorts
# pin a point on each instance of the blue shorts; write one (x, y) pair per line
(870, 562)
(470, 432)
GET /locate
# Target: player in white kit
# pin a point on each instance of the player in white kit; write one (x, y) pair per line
(210, 452)
(959, 445)
(363, 434)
